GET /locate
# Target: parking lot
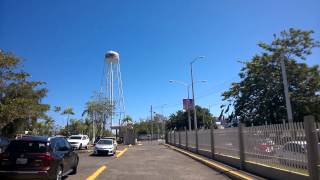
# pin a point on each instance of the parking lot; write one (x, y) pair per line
(146, 161)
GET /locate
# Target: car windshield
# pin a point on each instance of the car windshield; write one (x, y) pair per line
(105, 141)
(75, 137)
(27, 146)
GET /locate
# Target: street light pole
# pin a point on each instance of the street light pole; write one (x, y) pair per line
(188, 96)
(194, 102)
(189, 118)
(151, 123)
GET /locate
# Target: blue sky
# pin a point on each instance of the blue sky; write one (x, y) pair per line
(64, 42)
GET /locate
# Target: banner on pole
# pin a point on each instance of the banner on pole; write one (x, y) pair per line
(187, 104)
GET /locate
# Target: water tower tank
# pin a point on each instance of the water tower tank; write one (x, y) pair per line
(112, 56)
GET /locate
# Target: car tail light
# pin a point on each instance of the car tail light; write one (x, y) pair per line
(4, 156)
(45, 158)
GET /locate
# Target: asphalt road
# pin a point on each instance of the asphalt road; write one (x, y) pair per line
(143, 162)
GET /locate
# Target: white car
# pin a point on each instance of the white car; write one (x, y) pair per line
(79, 141)
(113, 139)
(105, 146)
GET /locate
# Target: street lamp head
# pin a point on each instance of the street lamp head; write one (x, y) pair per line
(171, 81)
(197, 58)
(203, 81)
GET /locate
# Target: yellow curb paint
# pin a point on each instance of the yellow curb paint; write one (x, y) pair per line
(281, 169)
(96, 173)
(121, 153)
(214, 165)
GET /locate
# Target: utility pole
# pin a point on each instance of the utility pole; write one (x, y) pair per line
(286, 91)
(151, 122)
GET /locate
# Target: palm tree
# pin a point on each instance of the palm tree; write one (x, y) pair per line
(68, 111)
(57, 109)
(127, 120)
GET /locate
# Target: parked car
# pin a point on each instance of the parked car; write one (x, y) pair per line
(105, 146)
(293, 153)
(265, 147)
(114, 140)
(96, 140)
(4, 142)
(79, 141)
(35, 157)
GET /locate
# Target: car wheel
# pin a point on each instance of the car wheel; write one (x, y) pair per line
(59, 173)
(80, 146)
(86, 147)
(75, 167)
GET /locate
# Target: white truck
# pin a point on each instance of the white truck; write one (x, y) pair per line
(79, 141)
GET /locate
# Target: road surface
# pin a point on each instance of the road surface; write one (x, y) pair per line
(149, 161)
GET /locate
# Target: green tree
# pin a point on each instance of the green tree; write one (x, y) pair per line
(259, 97)
(78, 126)
(57, 109)
(68, 111)
(20, 99)
(127, 120)
(141, 128)
(179, 120)
(97, 110)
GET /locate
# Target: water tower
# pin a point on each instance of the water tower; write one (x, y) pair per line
(114, 91)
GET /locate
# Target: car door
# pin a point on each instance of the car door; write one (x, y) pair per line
(62, 152)
(69, 154)
(84, 141)
(87, 140)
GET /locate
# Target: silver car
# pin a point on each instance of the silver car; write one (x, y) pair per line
(294, 154)
(105, 147)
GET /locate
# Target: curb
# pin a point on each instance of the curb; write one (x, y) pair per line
(231, 172)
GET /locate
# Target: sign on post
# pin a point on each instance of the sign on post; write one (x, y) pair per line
(187, 104)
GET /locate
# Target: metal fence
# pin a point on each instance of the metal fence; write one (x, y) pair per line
(280, 146)
(204, 140)
(176, 137)
(226, 142)
(183, 138)
(192, 139)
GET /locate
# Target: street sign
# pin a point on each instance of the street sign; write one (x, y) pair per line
(188, 104)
